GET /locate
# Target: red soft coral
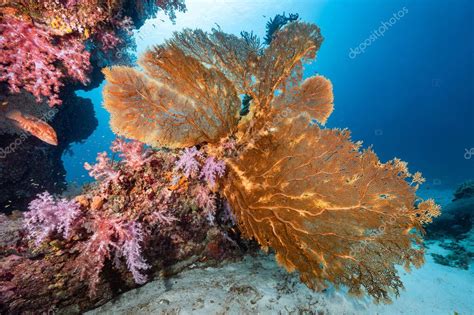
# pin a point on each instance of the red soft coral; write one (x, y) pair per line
(30, 57)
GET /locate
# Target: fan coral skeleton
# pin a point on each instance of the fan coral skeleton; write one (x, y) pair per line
(329, 209)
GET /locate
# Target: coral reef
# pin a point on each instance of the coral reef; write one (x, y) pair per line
(121, 232)
(327, 208)
(47, 45)
(330, 210)
(43, 43)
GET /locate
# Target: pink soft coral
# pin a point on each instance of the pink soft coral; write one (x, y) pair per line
(103, 170)
(30, 59)
(161, 209)
(113, 238)
(133, 153)
(211, 169)
(188, 162)
(48, 214)
(206, 201)
(108, 40)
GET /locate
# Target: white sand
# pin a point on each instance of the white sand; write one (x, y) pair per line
(257, 285)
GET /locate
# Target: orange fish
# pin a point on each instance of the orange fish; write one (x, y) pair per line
(34, 126)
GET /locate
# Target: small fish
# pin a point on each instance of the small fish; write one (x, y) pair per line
(34, 126)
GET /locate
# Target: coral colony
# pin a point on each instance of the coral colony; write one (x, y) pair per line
(48, 43)
(328, 209)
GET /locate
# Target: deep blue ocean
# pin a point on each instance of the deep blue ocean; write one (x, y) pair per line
(402, 73)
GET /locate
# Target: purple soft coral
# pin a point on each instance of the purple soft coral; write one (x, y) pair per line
(161, 206)
(48, 215)
(188, 162)
(211, 169)
(131, 250)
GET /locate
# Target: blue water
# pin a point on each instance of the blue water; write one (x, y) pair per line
(409, 94)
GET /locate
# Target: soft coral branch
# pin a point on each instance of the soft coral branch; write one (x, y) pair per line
(113, 238)
(212, 168)
(189, 162)
(47, 215)
(133, 153)
(30, 58)
(103, 170)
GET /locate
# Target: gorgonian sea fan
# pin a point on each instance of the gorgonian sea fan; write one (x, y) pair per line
(330, 210)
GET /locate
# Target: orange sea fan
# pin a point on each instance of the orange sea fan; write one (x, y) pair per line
(177, 103)
(282, 60)
(314, 96)
(236, 57)
(331, 212)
